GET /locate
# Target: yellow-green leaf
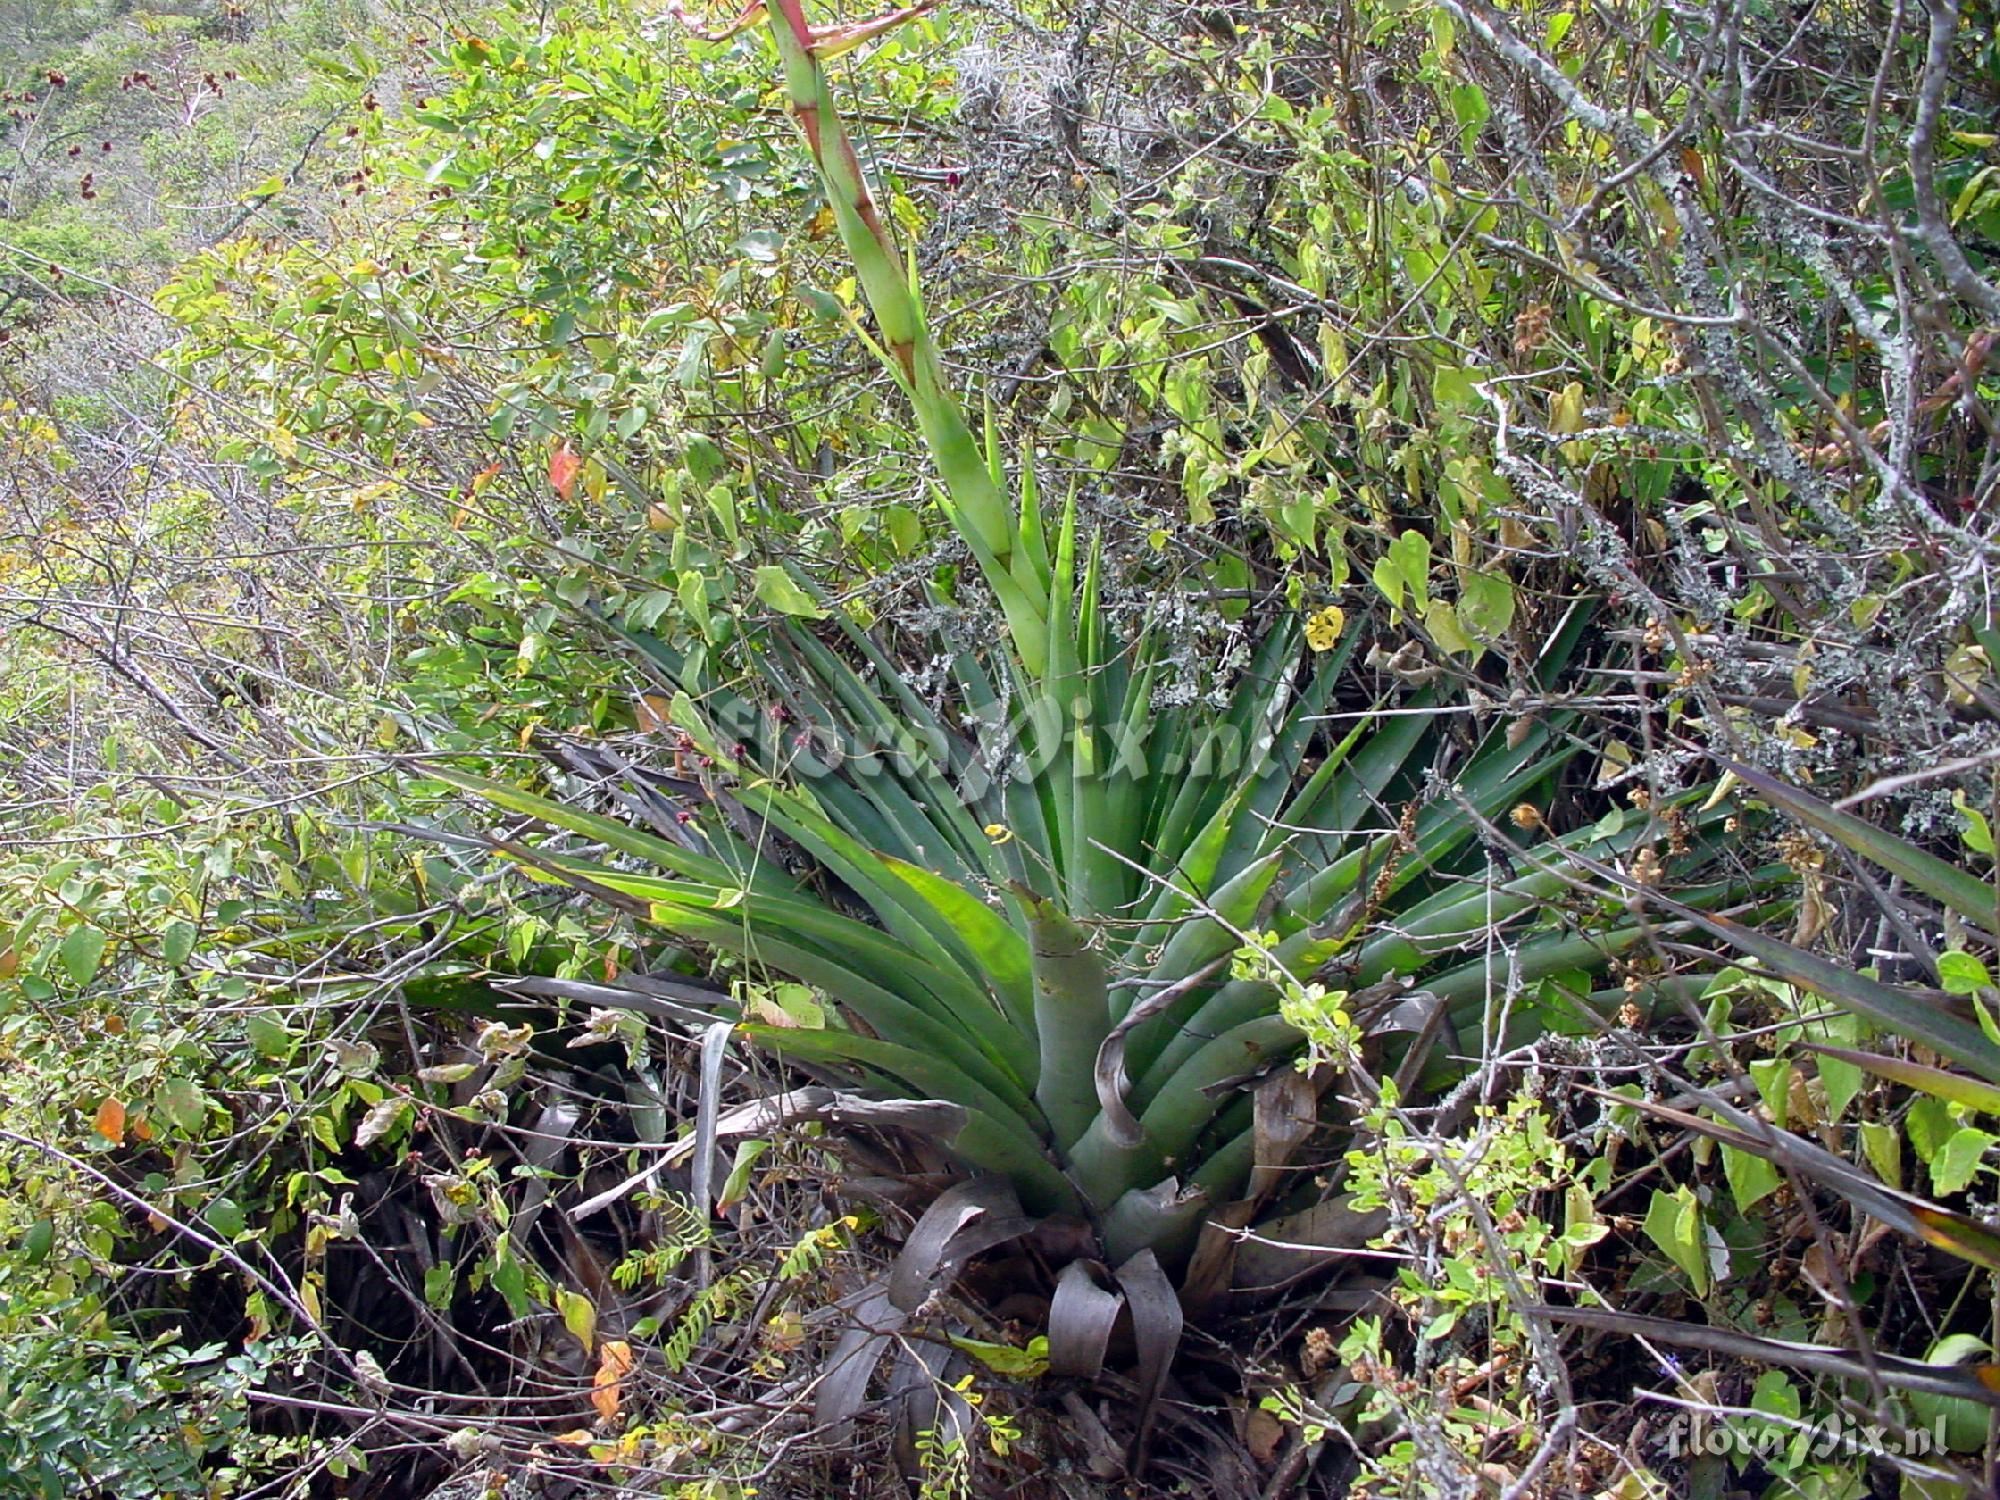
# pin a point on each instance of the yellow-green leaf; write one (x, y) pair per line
(579, 1315)
(1673, 1222)
(775, 588)
(1005, 1360)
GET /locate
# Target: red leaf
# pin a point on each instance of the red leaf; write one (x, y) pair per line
(564, 466)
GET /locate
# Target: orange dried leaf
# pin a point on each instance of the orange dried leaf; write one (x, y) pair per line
(564, 466)
(110, 1121)
(614, 1363)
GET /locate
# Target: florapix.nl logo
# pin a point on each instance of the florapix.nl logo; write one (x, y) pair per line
(1760, 1436)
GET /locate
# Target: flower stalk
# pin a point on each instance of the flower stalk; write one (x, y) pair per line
(975, 501)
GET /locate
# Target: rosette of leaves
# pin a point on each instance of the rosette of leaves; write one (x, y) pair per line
(1085, 915)
(1095, 924)
(1042, 890)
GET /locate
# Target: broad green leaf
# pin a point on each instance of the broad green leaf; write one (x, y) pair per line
(1441, 621)
(183, 1104)
(737, 1183)
(1453, 389)
(1965, 1422)
(1582, 1227)
(1469, 108)
(1566, 409)
(1959, 1158)
(225, 1217)
(269, 1036)
(81, 952)
(791, 1005)
(1882, 1144)
(1751, 1177)
(177, 942)
(38, 1241)
(1960, 973)
(1673, 1222)
(1773, 1077)
(775, 587)
(1978, 833)
(355, 1059)
(1929, 1125)
(1403, 572)
(1840, 1076)
(322, 1131)
(1775, 1395)
(1008, 1361)
(1485, 605)
(510, 1279)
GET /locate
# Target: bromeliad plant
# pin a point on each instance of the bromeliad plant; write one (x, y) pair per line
(1076, 912)
(1087, 916)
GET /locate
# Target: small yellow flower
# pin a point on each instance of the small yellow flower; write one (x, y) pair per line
(1000, 833)
(1324, 628)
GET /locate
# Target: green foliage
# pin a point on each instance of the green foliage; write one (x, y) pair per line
(104, 1413)
(1508, 1203)
(1476, 1220)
